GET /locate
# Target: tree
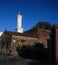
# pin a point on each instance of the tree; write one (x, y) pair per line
(44, 25)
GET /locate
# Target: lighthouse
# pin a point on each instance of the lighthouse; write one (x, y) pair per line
(19, 23)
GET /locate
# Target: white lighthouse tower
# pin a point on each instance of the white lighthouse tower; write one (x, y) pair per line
(19, 23)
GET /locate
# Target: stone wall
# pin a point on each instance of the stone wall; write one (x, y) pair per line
(5, 43)
(18, 40)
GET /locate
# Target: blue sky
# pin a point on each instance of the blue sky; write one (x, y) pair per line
(32, 11)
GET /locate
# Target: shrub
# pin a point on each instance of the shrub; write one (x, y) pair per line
(23, 50)
(36, 51)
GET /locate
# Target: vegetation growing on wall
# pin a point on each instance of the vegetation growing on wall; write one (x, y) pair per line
(35, 51)
(5, 44)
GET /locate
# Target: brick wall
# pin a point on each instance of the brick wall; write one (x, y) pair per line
(43, 34)
(56, 41)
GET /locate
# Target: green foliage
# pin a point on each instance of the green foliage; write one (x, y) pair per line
(32, 51)
(23, 49)
(44, 25)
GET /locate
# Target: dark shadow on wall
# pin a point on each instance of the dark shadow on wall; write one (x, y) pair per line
(53, 45)
(37, 52)
(38, 63)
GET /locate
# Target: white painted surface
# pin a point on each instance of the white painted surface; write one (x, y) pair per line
(19, 23)
(1, 33)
